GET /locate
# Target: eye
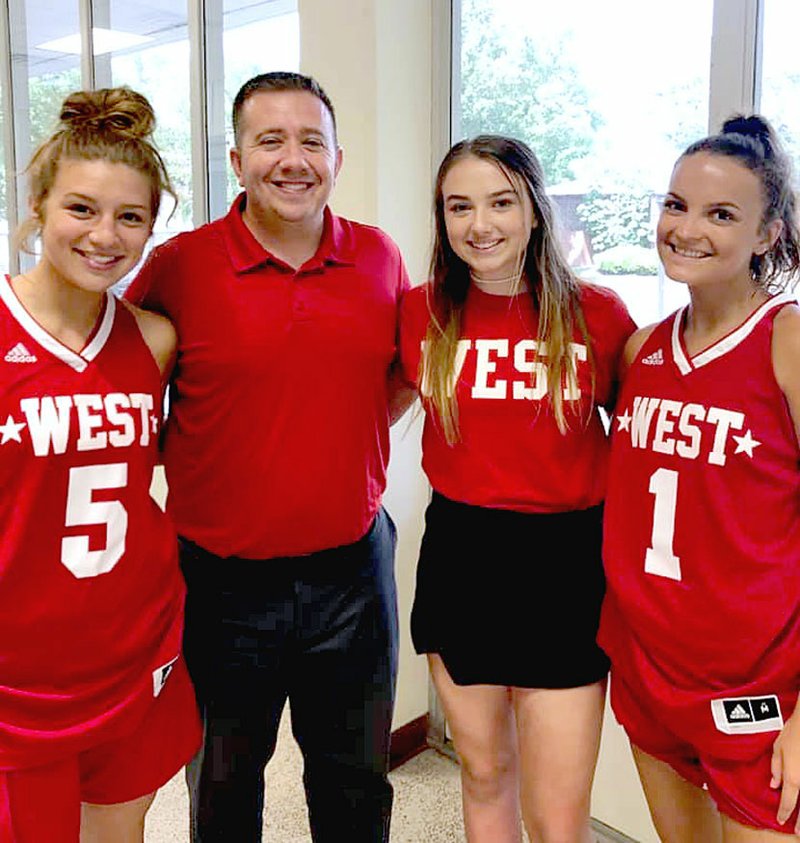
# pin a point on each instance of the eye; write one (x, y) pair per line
(313, 143)
(722, 215)
(133, 218)
(269, 141)
(505, 202)
(79, 209)
(672, 205)
(458, 207)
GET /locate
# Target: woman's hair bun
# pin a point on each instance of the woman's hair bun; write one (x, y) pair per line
(753, 126)
(119, 110)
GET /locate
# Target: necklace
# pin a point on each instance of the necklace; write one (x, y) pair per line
(509, 278)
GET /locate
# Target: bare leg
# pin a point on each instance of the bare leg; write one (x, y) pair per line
(120, 823)
(681, 811)
(559, 738)
(481, 720)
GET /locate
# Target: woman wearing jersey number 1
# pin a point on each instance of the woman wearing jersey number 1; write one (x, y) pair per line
(96, 709)
(512, 355)
(702, 535)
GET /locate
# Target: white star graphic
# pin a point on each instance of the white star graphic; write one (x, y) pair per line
(624, 420)
(745, 444)
(154, 424)
(10, 430)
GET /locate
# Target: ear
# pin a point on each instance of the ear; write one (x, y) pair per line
(338, 163)
(236, 163)
(35, 209)
(769, 237)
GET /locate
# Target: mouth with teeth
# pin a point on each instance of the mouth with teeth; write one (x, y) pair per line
(97, 261)
(694, 254)
(484, 245)
(293, 186)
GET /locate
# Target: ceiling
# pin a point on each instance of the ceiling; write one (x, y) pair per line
(35, 22)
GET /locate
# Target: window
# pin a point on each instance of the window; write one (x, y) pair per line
(246, 31)
(608, 95)
(780, 72)
(188, 57)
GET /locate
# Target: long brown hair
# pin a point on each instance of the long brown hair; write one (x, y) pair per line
(552, 284)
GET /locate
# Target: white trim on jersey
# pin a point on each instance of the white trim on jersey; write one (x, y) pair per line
(78, 362)
(727, 343)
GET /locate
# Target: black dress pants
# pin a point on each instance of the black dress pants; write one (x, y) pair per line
(318, 630)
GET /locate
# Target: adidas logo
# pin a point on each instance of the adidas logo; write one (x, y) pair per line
(739, 713)
(19, 354)
(654, 359)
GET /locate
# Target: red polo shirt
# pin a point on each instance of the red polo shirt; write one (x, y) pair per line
(278, 435)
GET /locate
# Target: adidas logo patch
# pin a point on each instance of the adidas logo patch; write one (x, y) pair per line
(747, 715)
(19, 354)
(654, 359)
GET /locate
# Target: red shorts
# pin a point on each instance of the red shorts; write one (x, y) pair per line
(43, 803)
(740, 788)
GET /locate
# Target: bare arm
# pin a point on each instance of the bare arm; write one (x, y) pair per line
(786, 359)
(786, 365)
(401, 395)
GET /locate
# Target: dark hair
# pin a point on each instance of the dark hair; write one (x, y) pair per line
(278, 80)
(553, 285)
(110, 124)
(753, 143)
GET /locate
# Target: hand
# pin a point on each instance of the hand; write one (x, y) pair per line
(785, 768)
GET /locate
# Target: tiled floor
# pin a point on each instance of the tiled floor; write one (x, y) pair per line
(427, 807)
(427, 803)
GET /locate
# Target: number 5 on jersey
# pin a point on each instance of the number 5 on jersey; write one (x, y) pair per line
(82, 511)
(660, 558)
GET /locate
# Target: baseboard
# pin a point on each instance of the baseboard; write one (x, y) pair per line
(408, 741)
(607, 834)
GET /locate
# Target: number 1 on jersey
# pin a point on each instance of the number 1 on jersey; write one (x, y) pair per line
(660, 558)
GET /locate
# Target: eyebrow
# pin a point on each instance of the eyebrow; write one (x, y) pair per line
(309, 130)
(494, 195)
(721, 204)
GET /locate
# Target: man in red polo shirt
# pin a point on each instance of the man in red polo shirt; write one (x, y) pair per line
(275, 452)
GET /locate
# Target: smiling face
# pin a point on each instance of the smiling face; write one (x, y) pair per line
(488, 220)
(95, 222)
(287, 159)
(711, 223)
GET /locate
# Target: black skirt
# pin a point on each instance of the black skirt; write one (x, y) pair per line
(511, 598)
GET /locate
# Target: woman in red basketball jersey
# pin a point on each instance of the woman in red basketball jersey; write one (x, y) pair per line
(96, 709)
(702, 534)
(512, 355)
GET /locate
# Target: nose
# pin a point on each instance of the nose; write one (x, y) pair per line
(481, 219)
(104, 232)
(294, 156)
(688, 226)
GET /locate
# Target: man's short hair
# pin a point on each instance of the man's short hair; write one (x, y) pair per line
(278, 80)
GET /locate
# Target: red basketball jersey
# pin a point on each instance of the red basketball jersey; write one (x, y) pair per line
(702, 535)
(90, 590)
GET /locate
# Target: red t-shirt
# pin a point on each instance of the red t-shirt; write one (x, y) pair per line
(278, 434)
(91, 595)
(510, 454)
(702, 533)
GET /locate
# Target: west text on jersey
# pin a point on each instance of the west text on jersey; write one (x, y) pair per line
(685, 429)
(528, 358)
(116, 420)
